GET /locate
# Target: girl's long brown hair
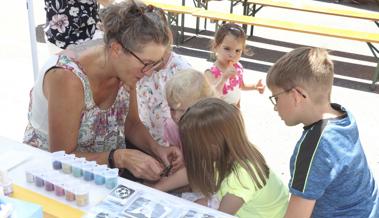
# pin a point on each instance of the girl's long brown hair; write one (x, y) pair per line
(215, 143)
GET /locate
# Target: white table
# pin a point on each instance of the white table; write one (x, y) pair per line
(32, 156)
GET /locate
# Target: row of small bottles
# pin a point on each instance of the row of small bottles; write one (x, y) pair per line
(66, 167)
(88, 170)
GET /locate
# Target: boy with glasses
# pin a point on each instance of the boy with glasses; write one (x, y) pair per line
(330, 176)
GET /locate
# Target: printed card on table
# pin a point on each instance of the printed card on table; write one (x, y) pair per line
(120, 195)
(113, 204)
(142, 207)
(195, 214)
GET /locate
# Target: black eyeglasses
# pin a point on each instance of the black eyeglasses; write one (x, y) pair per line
(146, 66)
(274, 98)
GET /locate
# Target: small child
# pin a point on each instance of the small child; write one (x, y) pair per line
(330, 176)
(227, 73)
(182, 90)
(219, 158)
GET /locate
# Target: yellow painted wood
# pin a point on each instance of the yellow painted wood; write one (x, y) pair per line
(305, 6)
(292, 26)
(51, 207)
(178, 9)
(277, 24)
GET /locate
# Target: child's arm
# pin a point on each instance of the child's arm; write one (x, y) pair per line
(202, 201)
(299, 207)
(259, 86)
(174, 181)
(218, 84)
(231, 204)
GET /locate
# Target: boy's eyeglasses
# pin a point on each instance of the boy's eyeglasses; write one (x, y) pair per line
(146, 66)
(274, 98)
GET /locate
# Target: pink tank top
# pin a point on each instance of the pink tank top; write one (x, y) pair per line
(232, 82)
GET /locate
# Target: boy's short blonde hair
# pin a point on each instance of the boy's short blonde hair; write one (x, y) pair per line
(305, 67)
(187, 86)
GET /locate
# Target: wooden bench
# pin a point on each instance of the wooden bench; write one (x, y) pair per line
(289, 25)
(305, 6)
(251, 7)
(367, 37)
(173, 12)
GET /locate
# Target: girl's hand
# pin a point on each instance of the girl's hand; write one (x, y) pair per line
(230, 71)
(260, 86)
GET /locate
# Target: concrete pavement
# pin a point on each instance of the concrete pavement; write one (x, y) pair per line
(264, 127)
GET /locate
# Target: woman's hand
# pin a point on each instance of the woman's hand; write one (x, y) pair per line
(141, 165)
(169, 156)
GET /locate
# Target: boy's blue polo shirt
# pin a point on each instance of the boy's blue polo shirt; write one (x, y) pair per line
(329, 165)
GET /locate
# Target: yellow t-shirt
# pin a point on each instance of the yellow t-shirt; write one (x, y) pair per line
(268, 202)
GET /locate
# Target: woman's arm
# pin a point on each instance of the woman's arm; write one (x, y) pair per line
(65, 96)
(137, 133)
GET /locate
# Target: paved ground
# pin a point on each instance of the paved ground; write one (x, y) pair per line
(354, 67)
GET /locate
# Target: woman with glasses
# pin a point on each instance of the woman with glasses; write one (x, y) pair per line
(86, 103)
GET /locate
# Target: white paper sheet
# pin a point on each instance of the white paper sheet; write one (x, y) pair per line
(11, 159)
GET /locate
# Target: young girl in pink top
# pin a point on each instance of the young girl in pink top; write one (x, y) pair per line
(226, 75)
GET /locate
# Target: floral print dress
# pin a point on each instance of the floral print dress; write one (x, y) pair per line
(70, 21)
(152, 104)
(100, 130)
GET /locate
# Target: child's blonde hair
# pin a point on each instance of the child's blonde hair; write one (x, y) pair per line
(306, 67)
(187, 86)
(215, 145)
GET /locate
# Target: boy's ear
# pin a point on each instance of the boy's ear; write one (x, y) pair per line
(300, 94)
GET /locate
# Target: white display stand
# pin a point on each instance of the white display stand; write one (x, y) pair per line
(29, 156)
(32, 34)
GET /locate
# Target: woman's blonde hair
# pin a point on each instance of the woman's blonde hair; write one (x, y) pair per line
(187, 86)
(215, 144)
